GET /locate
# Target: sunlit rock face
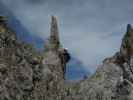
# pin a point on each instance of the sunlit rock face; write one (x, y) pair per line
(26, 74)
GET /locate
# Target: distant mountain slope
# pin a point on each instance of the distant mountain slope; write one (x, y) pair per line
(76, 70)
(25, 35)
(21, 31)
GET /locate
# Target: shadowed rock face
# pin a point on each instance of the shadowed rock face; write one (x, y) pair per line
(28, 75)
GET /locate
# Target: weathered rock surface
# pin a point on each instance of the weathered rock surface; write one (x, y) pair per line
(26, 74)
(113, 80)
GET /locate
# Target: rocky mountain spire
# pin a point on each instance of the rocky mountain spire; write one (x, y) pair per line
(54, 33)
(53, 42)
(129, 29)
(126, 49)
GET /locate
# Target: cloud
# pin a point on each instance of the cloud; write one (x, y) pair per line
(35, 1)
(90, 29)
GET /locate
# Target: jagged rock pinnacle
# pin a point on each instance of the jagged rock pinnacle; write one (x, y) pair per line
(54, 33)
(127, 44)
(53, 42)
(129, 29)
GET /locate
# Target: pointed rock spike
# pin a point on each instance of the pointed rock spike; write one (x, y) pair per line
(53, 42)
(54, 33)
(129, 28)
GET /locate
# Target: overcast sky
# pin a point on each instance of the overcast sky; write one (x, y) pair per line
(90, 29)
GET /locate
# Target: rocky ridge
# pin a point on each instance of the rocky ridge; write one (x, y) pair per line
(113, 80)
(26, 74)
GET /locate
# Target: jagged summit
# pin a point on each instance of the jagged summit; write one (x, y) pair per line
(126, 49)
(113, 80)
(54, 31)
(53, 43)
(129, 29)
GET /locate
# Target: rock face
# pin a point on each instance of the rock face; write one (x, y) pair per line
(113, 80)
(26, 74)
(51, 86)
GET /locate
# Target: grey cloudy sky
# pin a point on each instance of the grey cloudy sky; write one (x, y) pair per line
(90, 29)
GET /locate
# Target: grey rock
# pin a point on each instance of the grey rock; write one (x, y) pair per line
(26, 74)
